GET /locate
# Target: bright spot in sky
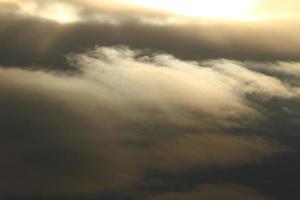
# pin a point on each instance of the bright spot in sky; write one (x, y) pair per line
(225, 9)
(59, 12)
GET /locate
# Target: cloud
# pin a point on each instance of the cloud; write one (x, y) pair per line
(276, 9)
(121, 113)
(176, 112)
(288, 72)
(253, 82)
(214, 192)
(207, 150)
(43, 38)
(116, 11)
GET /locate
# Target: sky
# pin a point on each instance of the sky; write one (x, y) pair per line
(149, 100)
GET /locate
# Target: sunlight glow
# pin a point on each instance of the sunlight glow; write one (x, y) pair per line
(225, 9)
(59, 12)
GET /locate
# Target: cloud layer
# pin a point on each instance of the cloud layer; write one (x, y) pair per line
(124, 112)
(110, 100)
(34, 33)
(214, 192)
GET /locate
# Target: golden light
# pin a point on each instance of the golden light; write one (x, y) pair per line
(59, 12)
(225, 9)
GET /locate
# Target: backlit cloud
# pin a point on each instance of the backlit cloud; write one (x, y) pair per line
(149, 99)
(125, 112)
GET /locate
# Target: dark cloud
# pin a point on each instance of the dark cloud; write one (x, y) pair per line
(33, 40)
(214, 192)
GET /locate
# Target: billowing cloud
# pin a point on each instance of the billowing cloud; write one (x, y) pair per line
(140, 99)
(123, 112)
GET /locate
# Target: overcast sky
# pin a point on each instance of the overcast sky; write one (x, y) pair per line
(150, 100)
